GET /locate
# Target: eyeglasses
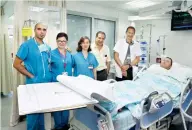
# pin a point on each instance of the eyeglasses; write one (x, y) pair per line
(61, 41)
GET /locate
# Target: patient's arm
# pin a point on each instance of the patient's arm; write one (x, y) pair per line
(19, 67)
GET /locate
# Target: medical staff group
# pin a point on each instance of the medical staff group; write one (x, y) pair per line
(41, 64)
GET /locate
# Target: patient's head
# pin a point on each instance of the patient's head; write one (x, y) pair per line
(166, 63)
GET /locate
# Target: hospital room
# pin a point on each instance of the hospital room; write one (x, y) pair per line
(96, 64)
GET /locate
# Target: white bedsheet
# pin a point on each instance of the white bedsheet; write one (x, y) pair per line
(48, 97)
(87, 86)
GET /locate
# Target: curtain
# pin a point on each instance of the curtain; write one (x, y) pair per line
(19, 12)
(22, 12)
(6, 66)
(5, 58)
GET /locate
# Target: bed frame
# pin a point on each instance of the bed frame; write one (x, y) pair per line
(159, 120)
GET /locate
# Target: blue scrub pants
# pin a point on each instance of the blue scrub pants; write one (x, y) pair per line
(61, 119)
(35, 122)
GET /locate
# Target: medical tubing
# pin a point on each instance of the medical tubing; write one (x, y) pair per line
(43, 65)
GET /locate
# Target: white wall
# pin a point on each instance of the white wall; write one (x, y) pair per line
(178, 43)
(105, 12)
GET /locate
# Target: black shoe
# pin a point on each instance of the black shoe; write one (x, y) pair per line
(22, 118)
(66, 127)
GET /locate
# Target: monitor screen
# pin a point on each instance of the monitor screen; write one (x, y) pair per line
(181, 21)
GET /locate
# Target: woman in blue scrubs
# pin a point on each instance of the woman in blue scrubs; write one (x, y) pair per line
(61, 63)
(85, 62)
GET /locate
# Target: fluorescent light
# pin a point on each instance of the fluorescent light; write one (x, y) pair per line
(135, 18)
(140, 3)
(36, 9)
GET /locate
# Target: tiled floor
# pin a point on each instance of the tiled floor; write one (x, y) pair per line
(5, 115)
(6, 102)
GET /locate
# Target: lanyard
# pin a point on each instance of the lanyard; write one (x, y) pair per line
(49, 56)
(49, 59)
(64, 59)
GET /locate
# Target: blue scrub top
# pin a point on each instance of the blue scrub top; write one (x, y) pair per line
(81, 65)
(35, 62)
(57, 63)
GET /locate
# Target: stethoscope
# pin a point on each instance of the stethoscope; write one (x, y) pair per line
(49, 58)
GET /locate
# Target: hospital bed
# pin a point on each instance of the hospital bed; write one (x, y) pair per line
(96, 117)
(34, 99)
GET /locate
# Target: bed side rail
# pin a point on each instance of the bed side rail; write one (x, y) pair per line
(103, 113)
(185, 102)
(150, 118)
(140, 71)
(186, 99)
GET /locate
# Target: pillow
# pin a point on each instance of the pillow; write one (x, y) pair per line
(156, 69)
(181, 72)
(177, 71)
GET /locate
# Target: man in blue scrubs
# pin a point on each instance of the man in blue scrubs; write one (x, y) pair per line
(85, 62)
(61, 63)
(36, 57)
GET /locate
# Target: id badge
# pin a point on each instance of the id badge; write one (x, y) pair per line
(65, 73)
(90, 67)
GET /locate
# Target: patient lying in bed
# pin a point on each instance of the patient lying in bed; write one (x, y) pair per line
(164, 67)
(155, 78)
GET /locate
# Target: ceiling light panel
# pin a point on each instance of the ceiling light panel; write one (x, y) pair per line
(36, 9)
(141, 3)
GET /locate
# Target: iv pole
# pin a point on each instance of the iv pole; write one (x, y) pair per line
(163, 36)
(149, 48)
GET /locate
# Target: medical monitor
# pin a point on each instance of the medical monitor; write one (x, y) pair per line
(181, 21)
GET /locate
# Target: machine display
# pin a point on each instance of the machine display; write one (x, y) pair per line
(181, 21)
